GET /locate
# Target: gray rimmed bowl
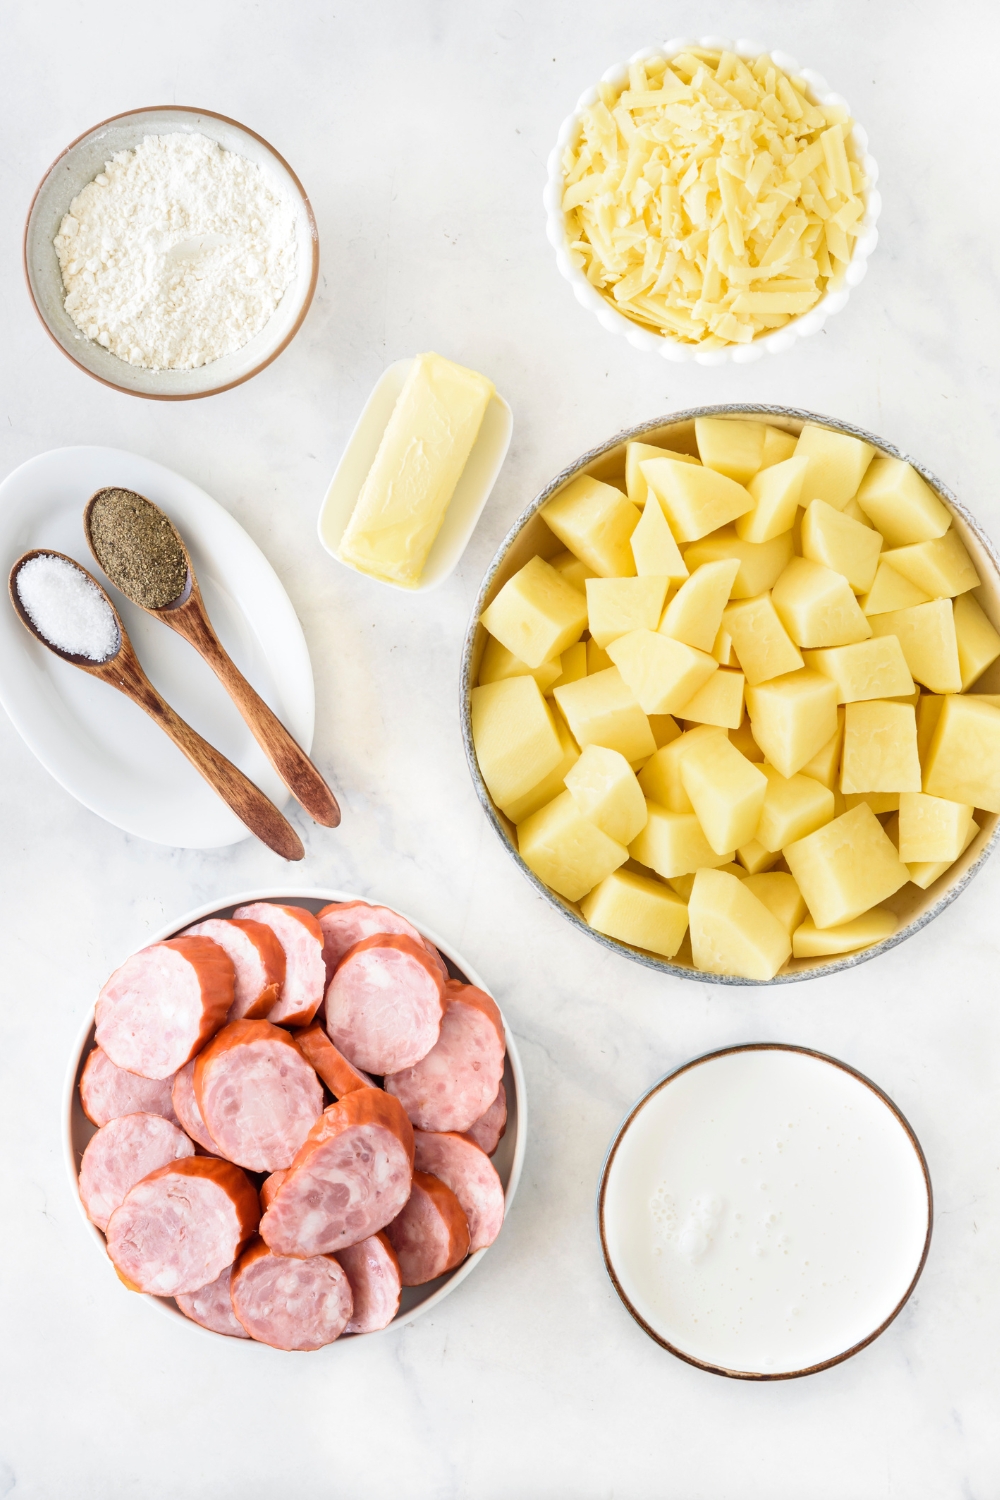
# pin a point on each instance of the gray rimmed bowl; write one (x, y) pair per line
(530, 536)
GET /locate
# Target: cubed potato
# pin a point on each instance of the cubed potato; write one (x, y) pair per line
(963, 760)
(681, 886)
(924, 873)
(665, 729)
(617, 605)
(879, 802)
(604, 788)
(928, 712)
(942, 568)
(837, 464)
(845, 867)
(515, 736)
(567, 851)
(719, 702)
(572, 569)
(868, 669)
(903, 507)
(810, 941)
(931, 828)
(595, 521)
(880, 748)
(674, 844)
(817, 607)
(499, 663)
(778, 446)
(726, 790)
(695, 500)
(763, 646)
(890, 591)
(730, 445)
(598, 659)
(776, 492)
(793, 717)
(551, 785)
(660, 777)
(600, 710)
(833, 539)
(742, 738)
(694, 614)
(574, 666)
(536, 614)
(654, 549)
(723, 649)
(793, 806)
(978, 643)
(825, 764)
(781, 896)
(853, 509)
(754, 858)
(635, 456)
(639, 911)
(761, 563)
(661, 673)
(732, 931)
(929, 641)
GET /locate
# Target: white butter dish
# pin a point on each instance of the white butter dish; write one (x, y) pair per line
(471, 493)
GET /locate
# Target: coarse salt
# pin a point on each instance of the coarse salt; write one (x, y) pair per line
(67, 608)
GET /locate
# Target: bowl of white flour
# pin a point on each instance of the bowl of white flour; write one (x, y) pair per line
(171, 253)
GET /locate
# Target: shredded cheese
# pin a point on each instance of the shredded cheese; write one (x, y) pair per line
(711, 198)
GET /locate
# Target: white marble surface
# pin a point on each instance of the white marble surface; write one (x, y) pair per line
(421, 130)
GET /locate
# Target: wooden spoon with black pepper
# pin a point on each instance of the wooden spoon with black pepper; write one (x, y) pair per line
(143, 554)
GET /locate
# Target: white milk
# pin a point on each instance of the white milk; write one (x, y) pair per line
(765, 1211)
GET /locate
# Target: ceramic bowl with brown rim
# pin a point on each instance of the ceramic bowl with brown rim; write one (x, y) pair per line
(78, 165)
(529, 536)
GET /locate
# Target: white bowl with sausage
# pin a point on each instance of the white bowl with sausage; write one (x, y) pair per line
(507, 1158)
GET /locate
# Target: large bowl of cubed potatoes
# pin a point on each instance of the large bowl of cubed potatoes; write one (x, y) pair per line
(731, 694)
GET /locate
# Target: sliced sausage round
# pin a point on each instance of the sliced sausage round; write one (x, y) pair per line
(384, 1004)
(301, 937)
(257, 1094)
(107, 1092)
(186, 1109)
(488, 1131)
(471, 1176)
(350, 1178)
(340, 1076)
(163, 1004)
(345, 923)
(180, 1227)
(258, 962)
(373, 1271)
(431, 1234)
(458, 1079)
(212, 1307)
(122, 1153)
(289, 1303)
(269, 1188)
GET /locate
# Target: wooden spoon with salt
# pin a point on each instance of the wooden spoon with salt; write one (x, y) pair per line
(186, 614)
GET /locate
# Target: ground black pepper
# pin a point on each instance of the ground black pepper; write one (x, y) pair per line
(138, 548)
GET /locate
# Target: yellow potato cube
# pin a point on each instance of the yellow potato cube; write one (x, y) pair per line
(572, 569)
(567, 851)
(660, 777)
(776, 492)
(781, 896)
(891, 591)
(778, 446)
(604, 788)
(551, 785)
(845, 867)
(793, 806)
(732, 931)
(810, 941)
(673, 844)
(635, 456)
(880, 748)
(754, 858)
(833, 539)
(763, 646)
(817, 607)
(574, 666)
(595, 521)
(695, 500)
(925, 873)
(637, 911)
(742, 738)
(825, 764)
(879, 802)
(694, 614)
(515, 737)
(903, 507)
(681, 885)
(598, 659)
(942, 568)
(929, 641)
(665, 729)
(656, 553)
(928, 712)
(978, 643)
(761, 563)
(793, 717)
(600, 710)
(868, 669)
(963, 761)
(719, 702)
(730, 446)
(617, 605)
(499, 663)
(536, 614)
(853, 509)
(931, 828)
(837, 464)
(661, 673)
(726, 790)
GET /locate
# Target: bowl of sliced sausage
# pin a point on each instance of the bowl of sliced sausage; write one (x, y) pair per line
(294, 1119)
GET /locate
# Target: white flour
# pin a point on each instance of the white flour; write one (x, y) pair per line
(176, 254)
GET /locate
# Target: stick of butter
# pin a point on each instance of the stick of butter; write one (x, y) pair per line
(423, 451)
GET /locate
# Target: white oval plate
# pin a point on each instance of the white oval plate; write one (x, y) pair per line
(508, 1158)
(99, 746)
